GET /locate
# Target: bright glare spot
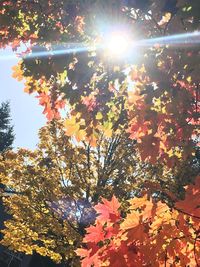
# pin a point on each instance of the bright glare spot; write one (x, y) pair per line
(117, 44)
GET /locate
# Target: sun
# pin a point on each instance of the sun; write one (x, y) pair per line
(117, 43)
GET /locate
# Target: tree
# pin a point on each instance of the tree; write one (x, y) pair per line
(53, 189)
(139, 113)
(6, 130)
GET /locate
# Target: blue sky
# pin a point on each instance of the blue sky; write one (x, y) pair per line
(26, 114)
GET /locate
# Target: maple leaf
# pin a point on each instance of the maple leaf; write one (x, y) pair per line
(108, 211)
(17, 72)
(163, 215)
(111, 231)
(147, 207)
(94, 233)
(45, 100)
(72, 127)
(132, 220)
(191, 203)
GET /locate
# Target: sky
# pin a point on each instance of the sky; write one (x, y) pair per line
(26, 114)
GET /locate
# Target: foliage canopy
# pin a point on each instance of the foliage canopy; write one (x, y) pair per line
(159, 108)
(126, 126)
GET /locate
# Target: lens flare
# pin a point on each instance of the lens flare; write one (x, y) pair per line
(184, 39)
(56, 50)
(53, 50)
(116, 43)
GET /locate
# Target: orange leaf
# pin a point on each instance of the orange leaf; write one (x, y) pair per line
(131, 221)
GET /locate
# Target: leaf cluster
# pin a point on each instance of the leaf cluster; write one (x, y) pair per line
(152, 234)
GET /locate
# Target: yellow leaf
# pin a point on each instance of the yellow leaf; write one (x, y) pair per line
(189, 79)
(71, 127)
(80, 135)
(99, 116)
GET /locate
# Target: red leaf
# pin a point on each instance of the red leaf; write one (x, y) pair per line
(108, 210)
(191, 202)
(94, 233)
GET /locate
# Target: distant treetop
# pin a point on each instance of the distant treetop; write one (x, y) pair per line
(6, 129)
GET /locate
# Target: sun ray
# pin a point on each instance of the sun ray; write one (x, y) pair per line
(185, 40)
